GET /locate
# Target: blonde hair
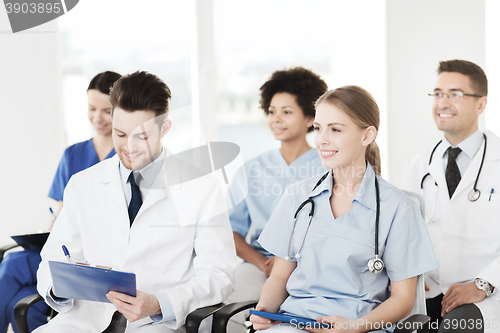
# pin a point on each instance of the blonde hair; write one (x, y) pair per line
(360, 106)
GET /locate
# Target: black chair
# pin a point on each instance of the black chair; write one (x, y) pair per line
(6, 248)
(193, 320)
(221, 318)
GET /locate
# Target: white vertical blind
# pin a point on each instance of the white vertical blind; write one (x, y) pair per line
(492, 68)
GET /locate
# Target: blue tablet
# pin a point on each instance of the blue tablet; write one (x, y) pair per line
(294, 320)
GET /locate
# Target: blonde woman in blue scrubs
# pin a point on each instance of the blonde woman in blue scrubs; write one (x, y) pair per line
(287, 99)
(330, 279)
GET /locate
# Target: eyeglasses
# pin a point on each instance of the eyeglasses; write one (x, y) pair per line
(454, 96)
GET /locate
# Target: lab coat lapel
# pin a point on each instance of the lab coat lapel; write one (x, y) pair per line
(468, 179)
(110, 178)
(167, 180)
(436, 169)
(154, 195)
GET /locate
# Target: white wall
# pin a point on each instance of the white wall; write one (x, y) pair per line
(419, 35)
(492, 112)
(31, 134)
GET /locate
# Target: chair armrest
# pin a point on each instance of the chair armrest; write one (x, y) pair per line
(194, 319)
(221, 317)
(6, 248)
(21, 311)
(417, 321)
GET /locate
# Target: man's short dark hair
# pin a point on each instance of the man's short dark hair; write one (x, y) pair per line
(141, 91)
(300, 82)
(478, 80)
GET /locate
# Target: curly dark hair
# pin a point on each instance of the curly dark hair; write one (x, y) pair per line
(300, 82)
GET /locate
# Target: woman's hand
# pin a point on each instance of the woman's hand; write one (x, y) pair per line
(338, 324)
(260, 323)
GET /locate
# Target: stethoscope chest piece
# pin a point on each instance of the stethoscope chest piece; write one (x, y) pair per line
(375, 265)
(473, 195)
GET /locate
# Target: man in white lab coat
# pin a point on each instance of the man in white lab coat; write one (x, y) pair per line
(464, 226)
(141, 212)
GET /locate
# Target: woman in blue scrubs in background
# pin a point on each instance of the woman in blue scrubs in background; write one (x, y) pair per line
(287, 99)
(330, 279)
(18, 269)
(83, 155)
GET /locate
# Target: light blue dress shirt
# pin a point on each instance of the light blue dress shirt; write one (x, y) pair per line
(148, 176)
(332, 276)
(261, 182)
(470, 146)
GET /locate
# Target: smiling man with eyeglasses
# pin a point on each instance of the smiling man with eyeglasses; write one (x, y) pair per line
(457, 178)
(459, 100)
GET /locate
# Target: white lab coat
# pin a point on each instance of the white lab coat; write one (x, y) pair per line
(465, 235)
(180, 243)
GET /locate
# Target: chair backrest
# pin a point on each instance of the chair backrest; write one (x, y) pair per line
(419, 305)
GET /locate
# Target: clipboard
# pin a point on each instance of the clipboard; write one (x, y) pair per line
(88, 283)
(294, 320)
(31, 241)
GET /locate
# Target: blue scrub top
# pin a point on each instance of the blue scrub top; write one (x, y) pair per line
(332, 276)
(259, 185)
(76, 158)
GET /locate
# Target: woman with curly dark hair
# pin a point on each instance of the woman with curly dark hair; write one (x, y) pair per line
(287, 99)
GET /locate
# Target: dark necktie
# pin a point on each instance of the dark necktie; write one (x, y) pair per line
(136, 201)
(452, 173)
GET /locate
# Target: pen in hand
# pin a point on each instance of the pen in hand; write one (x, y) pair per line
(53, 214)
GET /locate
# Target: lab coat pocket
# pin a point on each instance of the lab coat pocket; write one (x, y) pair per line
(171, 246)
(484, 217)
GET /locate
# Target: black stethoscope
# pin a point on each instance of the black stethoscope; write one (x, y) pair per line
(375, 264)
(474, 194)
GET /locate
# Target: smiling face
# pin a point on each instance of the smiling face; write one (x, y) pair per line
(459, 119)
(99, 111)
(341, 143)
(286, 118)
(137, 137)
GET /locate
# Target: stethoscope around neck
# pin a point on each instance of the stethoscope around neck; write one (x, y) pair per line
(375, 264)
(473, 195)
